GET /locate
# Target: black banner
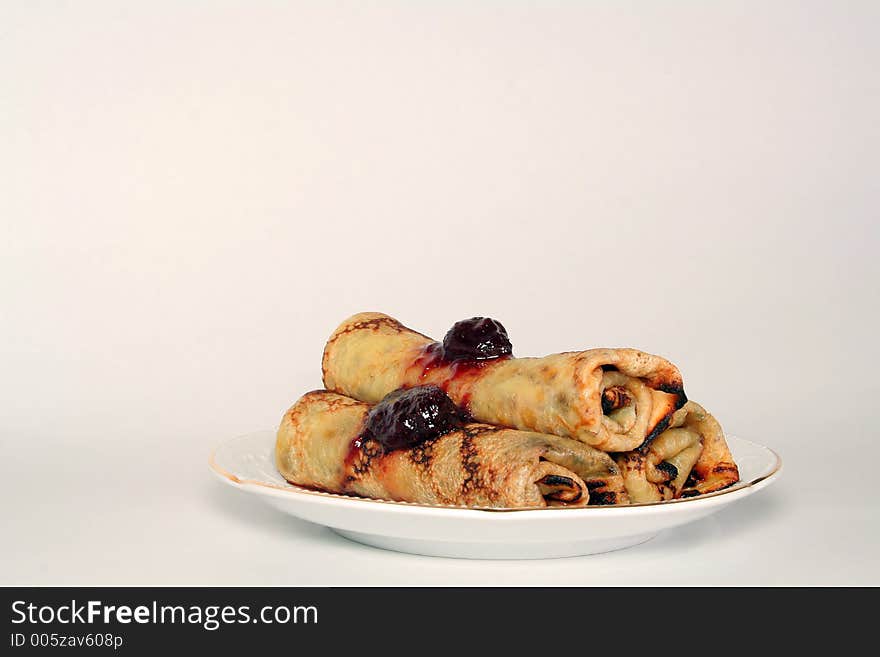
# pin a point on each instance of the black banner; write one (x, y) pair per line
(135, 620)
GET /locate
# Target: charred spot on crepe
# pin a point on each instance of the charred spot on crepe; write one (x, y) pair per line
(411, 416)
(469, 463)
(661, 426)
(557, 480)
(676, 389)
(359, 459)
(331, 401)
(567, 493)
(477, 338)
(613, 398)
(667, 469)
(372, 323)
(470, 459)
(632, 458)
(422, 454)
(602, 498)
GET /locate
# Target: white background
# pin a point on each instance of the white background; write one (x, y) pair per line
(194, 194)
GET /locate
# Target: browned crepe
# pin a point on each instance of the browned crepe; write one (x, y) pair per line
(371, 354)
(689, 458)
(478, 466)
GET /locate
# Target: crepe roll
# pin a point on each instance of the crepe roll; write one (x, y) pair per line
(715, 469)
(615, 400)
(322, 443)
(689, 458)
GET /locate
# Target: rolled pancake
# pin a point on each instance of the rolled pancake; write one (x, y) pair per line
(689, 458)
(320, 445)
(715, 469)
(612, 399)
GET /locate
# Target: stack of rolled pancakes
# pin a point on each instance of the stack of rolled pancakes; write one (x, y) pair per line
(595, 427)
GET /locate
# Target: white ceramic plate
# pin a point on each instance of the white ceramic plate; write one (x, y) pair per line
(247, 462)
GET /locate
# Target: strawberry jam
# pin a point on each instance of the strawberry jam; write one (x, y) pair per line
(477, 338)
(410, 416)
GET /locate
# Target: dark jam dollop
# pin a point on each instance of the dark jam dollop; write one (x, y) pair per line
(407, 417)
(477, 338)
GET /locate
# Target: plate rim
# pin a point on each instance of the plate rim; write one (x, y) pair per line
(299, 493)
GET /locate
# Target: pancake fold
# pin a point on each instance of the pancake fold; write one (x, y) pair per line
(691, 457)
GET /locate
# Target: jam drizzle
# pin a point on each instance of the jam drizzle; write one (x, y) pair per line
(431, 366)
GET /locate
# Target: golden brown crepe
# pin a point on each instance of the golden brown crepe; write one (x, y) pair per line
(715, 469)
(615, 400)
(689, 458)
(321, 444)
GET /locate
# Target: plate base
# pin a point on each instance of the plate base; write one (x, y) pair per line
(495, 550)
